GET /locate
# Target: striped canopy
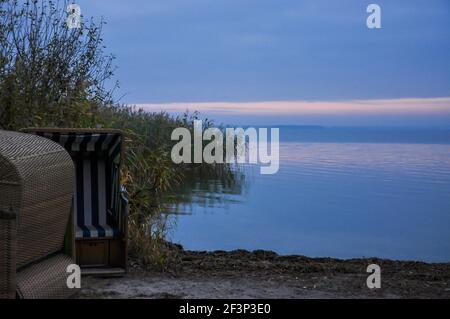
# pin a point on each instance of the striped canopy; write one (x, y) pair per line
(96, 155)
(100, 143)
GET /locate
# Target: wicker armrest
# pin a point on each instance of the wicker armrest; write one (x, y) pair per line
(8, 235)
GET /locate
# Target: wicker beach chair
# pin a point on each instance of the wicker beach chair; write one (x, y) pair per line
(36, 180)
(100, 205)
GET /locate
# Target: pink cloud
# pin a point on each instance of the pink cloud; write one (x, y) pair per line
(406, 106)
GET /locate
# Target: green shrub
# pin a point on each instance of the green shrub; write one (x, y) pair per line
(54, 76)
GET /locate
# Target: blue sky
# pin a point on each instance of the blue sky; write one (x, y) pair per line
(201, 51)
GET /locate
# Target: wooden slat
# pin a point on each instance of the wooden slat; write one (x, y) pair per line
(103, 271)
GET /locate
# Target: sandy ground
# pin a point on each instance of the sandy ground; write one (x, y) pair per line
(263, 274)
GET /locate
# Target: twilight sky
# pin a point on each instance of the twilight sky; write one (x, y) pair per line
(283, 61)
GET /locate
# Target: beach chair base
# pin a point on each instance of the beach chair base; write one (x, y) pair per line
(105, 255)
(103, 272)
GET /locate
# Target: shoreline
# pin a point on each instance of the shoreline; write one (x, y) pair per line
(265, 274)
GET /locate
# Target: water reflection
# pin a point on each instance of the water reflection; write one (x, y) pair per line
(208, 189)
(328, 199)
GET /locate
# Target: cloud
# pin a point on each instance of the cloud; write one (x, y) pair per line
(402, 106)
(373, 112)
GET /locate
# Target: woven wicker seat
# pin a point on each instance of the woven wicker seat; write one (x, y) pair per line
(36, 190)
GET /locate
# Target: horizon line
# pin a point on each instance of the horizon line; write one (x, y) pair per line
(433, 105)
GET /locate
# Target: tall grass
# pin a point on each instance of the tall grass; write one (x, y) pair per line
(54, 76)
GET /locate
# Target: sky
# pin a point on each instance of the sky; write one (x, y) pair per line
(282, 61)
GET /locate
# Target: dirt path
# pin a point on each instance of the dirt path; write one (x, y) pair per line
(263, 274)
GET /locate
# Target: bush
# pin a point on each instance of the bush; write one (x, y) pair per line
(49, 74)
(54, 76)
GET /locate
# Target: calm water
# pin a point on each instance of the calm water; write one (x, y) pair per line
(348, 192)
